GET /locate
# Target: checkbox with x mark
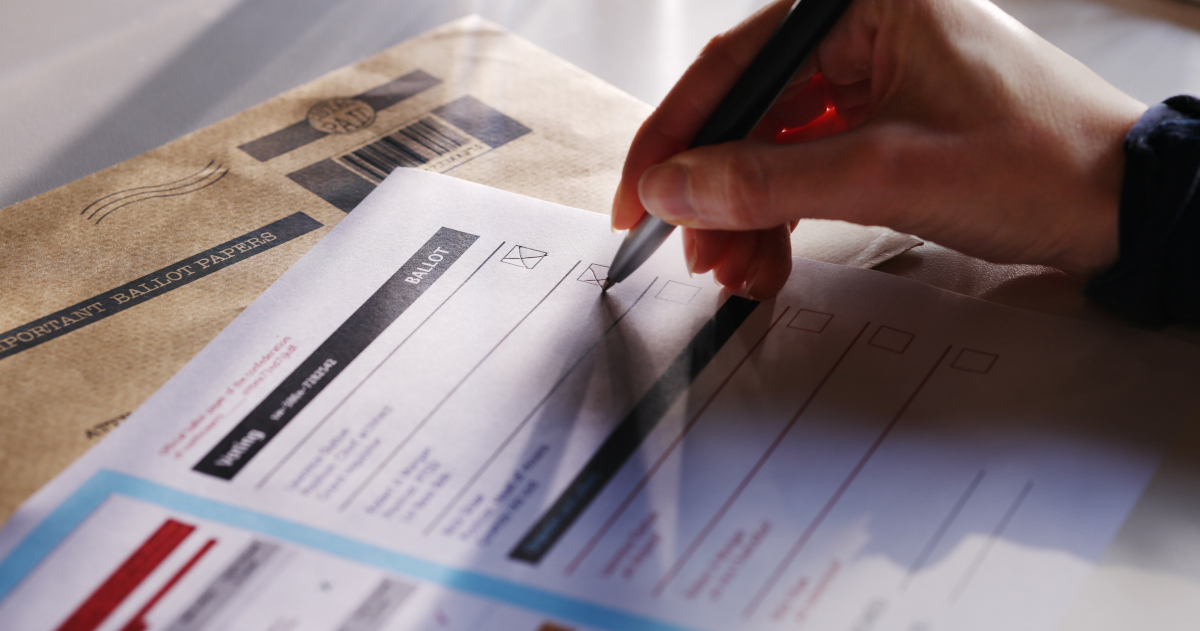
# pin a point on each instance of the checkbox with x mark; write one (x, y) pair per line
(522, 256)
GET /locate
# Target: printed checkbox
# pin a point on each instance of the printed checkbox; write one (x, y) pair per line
(974, 361)
(677, 292)
(808, 320)
(522, 256)
(890, 339)
(595, 274)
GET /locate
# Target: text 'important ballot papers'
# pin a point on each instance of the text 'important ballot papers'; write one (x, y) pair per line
(435, 420)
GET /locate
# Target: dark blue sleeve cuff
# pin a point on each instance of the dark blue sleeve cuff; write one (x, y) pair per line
(1157, 277)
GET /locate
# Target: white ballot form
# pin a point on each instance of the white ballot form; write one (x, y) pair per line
(436, 420)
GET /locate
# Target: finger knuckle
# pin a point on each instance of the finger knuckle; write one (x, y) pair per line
(904, 164)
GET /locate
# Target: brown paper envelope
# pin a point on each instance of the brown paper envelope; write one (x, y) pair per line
(111, 283)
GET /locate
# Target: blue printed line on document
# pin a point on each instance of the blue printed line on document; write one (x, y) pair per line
(55, 528)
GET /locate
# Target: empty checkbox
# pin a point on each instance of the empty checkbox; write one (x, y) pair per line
(677, 292)
(974, 361)
(890, 339)
(807, 320)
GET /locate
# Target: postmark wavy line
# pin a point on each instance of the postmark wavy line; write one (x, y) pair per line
(150, 192)
(146, 188)
(203, 184)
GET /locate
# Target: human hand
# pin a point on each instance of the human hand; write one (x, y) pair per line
(960, 126)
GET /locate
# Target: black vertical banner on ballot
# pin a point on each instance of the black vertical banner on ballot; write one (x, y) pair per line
(299, 388)
(627, 437)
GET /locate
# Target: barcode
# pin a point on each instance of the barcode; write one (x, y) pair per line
(411, 146)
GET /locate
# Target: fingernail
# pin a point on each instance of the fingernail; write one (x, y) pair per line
(750, 293)
(663, 190)
(751, 279)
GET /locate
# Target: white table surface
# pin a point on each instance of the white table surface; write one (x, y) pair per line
(84, 85)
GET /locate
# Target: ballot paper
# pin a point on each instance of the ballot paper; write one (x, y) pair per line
(112, 283)
(437, 420)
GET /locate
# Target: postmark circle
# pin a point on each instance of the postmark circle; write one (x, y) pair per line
(340, 116)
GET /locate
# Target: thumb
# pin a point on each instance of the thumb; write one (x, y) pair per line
(754, 185)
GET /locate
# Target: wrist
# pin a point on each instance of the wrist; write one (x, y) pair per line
(1091, 233)
(1156, 277)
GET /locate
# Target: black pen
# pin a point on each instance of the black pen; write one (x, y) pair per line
(744, 105)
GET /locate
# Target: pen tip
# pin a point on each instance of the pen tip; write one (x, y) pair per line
(608, 282)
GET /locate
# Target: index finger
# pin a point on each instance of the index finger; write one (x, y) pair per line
(686, 107)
